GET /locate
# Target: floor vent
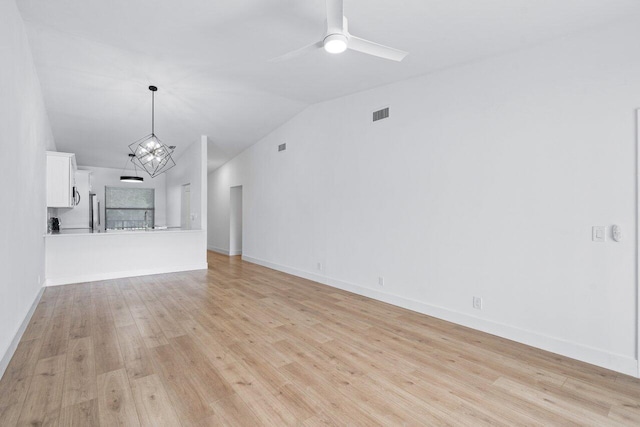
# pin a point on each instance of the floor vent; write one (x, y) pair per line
(282, 147)
(381, 114)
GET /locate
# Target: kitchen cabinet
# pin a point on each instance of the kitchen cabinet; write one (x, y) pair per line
(61, 170)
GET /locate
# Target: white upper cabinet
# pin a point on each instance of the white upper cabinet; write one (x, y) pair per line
(61, 169)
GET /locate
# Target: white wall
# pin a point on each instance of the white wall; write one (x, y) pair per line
(191, 168)
(25, 134)
(485, 181)
(108, 177)
(235, 218)
(218, 222)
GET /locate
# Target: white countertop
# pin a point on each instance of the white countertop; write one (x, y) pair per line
(66, 232)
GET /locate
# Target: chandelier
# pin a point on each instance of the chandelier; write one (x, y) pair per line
(130, 178)
(149, 152)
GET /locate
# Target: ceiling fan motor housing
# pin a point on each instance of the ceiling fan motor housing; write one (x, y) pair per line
(335, 43)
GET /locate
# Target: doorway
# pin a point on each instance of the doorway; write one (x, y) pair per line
(185, 207)
(235, 221)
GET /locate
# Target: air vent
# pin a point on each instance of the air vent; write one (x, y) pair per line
(381, 114)
(282, 147)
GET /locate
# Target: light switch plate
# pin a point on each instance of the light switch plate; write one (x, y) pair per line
(598, 233)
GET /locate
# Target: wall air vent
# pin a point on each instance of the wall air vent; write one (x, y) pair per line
(282, 147)
(381, 114)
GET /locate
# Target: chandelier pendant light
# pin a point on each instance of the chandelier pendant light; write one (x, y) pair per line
(149, 152)
(130, 178)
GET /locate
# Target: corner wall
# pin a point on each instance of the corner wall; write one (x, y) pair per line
(25, 135)
(191, 168)
(485, 181)
(218, 200)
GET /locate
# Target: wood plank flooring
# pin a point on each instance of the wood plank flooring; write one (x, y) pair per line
(243, 345)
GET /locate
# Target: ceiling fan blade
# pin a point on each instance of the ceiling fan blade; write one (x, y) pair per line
(297, 52)
(335, 15)
(375, 49)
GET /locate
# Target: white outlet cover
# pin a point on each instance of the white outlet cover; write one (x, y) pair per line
(477, 303)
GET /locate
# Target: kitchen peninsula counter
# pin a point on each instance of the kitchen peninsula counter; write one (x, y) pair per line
(80, 255)
(89, 232)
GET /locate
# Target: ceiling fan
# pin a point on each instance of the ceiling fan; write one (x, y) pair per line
(337, 39)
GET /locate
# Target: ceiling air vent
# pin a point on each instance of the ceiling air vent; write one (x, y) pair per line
(381, 114)
(282, 147)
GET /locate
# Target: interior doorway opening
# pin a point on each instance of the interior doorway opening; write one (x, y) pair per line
(235, 221)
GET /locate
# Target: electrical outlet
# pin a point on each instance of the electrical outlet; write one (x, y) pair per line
(381, 281)
(39, 281)
(320, 266)
(477, 303)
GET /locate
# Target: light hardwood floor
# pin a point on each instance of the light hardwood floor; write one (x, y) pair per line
(244, 345)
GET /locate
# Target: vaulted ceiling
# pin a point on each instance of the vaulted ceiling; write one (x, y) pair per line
(210, 60)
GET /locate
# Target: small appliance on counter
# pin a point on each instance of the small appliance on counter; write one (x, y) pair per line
(54, 225)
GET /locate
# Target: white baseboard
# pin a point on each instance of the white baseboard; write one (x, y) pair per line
(56, 281)
(218, 250)
(8, 354)
(594, 356)
(223, 251)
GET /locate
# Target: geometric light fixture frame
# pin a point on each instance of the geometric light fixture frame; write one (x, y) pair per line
(149, 152)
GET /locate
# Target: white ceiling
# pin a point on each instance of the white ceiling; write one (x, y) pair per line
(95, 59)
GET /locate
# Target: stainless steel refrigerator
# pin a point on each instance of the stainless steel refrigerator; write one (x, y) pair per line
(94, 212)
